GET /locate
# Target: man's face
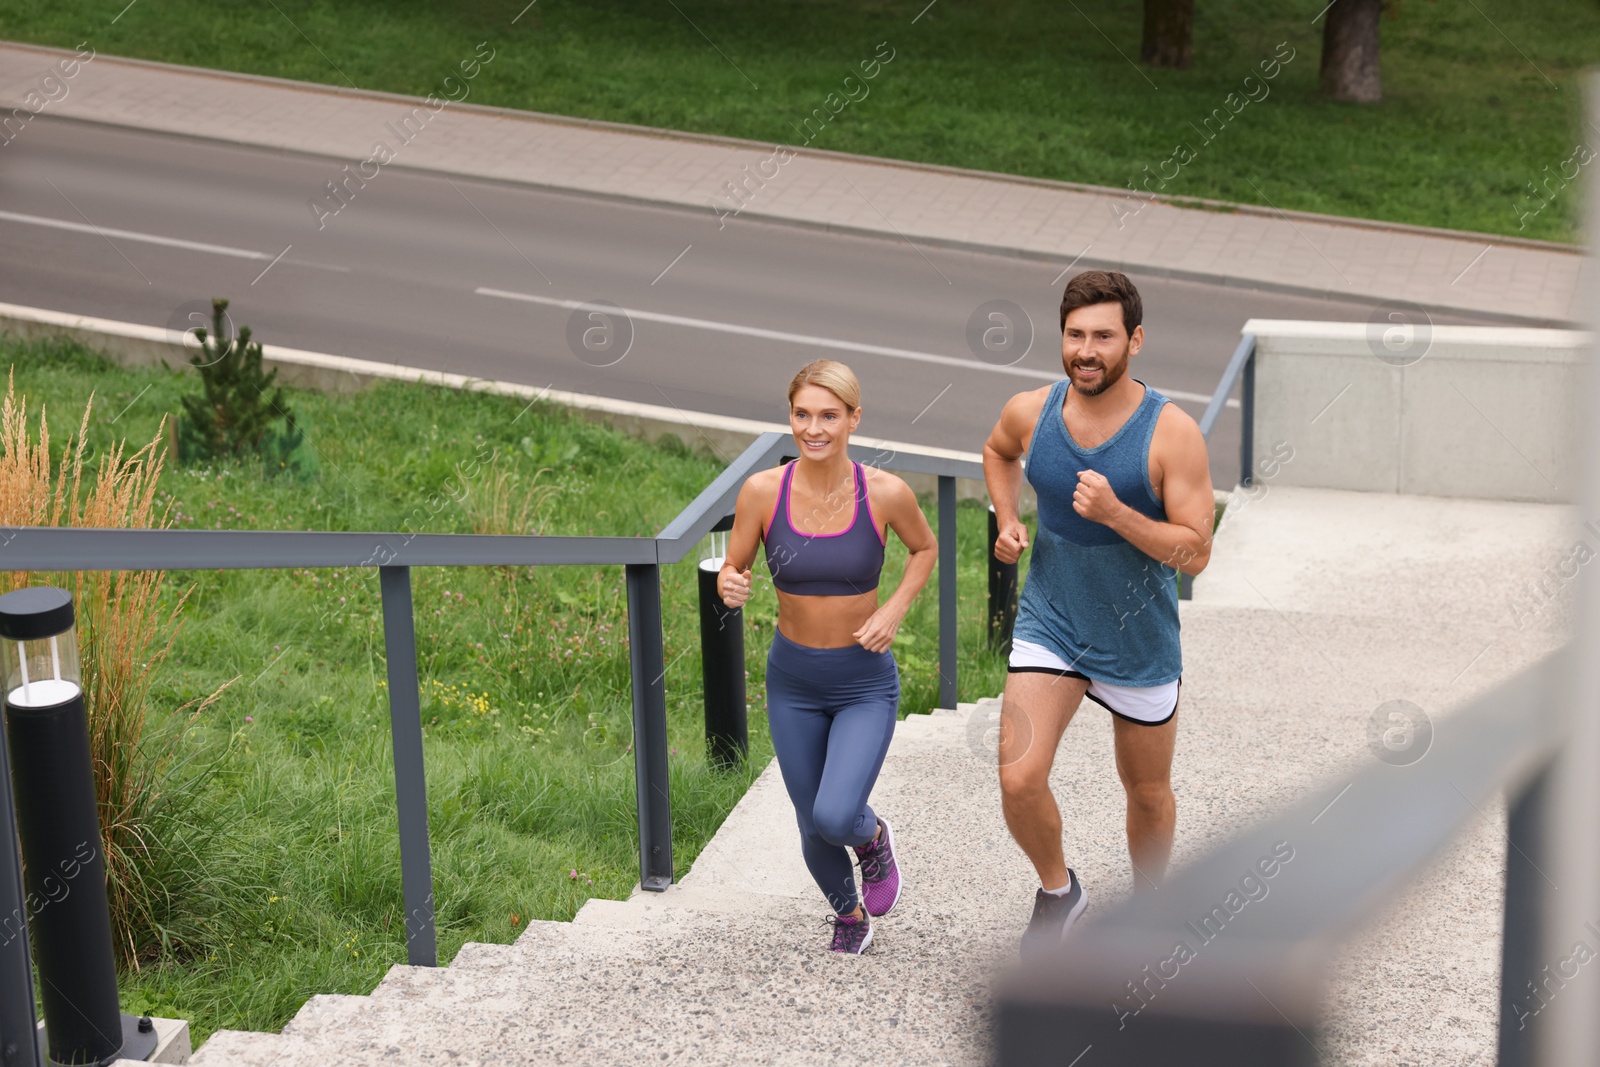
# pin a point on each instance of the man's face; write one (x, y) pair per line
(1095, 348)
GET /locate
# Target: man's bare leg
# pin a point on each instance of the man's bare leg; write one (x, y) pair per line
(1144, 763)
(1034, 713)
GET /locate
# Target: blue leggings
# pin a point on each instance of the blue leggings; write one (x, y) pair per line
(832, 713)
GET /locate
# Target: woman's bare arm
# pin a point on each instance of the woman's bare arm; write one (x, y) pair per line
(750, 510)
(904, 516)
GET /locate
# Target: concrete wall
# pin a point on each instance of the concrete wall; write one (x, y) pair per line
(1455, 411)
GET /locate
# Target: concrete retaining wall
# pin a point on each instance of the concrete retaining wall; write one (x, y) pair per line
(1454, 411)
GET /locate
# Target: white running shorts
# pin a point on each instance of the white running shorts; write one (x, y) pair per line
(1146, 705)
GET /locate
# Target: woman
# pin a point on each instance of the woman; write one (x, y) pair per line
(833, 688)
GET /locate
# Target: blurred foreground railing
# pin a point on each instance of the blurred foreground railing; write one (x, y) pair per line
(1225, 964)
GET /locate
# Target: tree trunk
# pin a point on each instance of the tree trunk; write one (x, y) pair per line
(1350, 52)
(1168, 34)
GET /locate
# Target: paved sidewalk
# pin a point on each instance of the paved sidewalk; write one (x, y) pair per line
(1061, 222)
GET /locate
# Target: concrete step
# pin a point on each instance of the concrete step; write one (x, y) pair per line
(326, 1011)
(644, 908)
(706, 987)
(735, 955)
(239, 1048)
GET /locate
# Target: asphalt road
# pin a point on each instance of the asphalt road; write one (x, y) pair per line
(486, 279)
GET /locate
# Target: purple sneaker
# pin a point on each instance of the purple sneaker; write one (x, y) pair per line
(850, 935)
(880, 874)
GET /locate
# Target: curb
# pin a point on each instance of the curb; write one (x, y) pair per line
(135, 345)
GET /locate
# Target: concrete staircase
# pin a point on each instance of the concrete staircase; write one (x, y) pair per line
(1319, 606)
(730, 965)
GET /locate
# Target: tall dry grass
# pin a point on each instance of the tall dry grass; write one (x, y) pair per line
(499, 499)
(123, 633)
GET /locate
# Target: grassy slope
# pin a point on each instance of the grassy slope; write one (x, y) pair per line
(1030, 87)
(295, 888)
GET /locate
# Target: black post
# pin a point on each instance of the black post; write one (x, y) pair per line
(1522, 994)
(722, 668)
(647, 663)
(947, 591)
(58, 821)
(410, 778)
(19, 1034)
(1002, 593)
(1247, 419)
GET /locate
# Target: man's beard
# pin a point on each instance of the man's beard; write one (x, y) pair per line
(1109, 374)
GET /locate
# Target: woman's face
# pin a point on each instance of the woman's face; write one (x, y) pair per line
(820, 423)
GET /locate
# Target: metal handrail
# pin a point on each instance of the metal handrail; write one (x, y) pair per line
(1241, 364)
(98, 549)
(1230, 375)
(394, 554)
(678, 537)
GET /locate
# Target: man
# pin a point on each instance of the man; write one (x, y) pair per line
(1125, 502)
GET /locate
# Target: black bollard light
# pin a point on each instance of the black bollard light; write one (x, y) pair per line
(722, 666)
(1002, 593)
(47, 733)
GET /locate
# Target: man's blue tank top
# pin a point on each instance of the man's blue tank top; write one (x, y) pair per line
(1102, 605)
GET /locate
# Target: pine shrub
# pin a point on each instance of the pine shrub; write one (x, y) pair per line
(241, 411)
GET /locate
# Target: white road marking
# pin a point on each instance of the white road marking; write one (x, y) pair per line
(151, 238)
(818, 342)
(274, 263)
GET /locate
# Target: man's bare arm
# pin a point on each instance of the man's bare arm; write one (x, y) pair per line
(1002, 472)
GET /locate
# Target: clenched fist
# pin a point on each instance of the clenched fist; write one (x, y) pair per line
(734, 587)
(1094, 498)
(1011, 541)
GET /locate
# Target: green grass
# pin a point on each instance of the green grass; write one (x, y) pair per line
(1479, 98)
(282, 861)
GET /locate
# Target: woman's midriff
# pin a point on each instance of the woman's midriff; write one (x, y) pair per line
(824, 621)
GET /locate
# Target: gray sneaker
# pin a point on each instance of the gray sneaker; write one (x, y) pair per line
(1053, 916)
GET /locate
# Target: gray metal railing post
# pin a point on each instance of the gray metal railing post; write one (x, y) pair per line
(410, 781)
(647, 662)
(19, 1034)
(1247, 417)
(1522, 940)
(1002, 593)
(947, 591)
(1242, 368)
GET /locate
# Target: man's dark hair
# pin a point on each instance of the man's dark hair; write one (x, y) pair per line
(1103, 287)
